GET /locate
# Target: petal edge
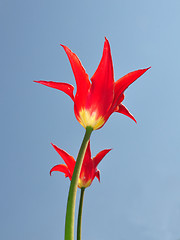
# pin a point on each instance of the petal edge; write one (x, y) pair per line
(122, 109)
(61, 168)
(123, 83)
(64, 87)
(100, 156)
(68, 159)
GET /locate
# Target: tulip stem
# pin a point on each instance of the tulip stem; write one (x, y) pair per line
(70, 210)
(80, 214)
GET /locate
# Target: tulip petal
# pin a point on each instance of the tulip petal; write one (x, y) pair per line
(122, 109)
(69, 160)
(65, 87)
(87, 156)
(101, 91)
(123, 83)
(100, 156)
(61, 168)
(81, 77)
(97, 174)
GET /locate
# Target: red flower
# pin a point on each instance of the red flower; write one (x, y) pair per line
(95, 101)
(89, 167)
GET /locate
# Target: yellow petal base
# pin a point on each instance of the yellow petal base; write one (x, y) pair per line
(81, 184)
(90, 120)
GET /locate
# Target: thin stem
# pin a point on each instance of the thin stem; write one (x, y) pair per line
(70, 210)
(80, 214)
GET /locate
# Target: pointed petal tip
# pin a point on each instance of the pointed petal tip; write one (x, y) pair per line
(50, 172)
(108, 150)
(106, 42)
(66, 49)
(122, 109)
(143, 70)
(54, 146)
(62, 45)
(42, 82)
(133, 118)
(147, 68)
(106, 39)
(97, 175)
(98, 158)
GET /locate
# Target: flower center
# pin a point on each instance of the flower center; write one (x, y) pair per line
(82, 184)
(90, 119)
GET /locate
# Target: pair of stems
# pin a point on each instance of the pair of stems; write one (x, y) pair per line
(70, 210)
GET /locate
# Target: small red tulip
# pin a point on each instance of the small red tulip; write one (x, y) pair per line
(89, 167)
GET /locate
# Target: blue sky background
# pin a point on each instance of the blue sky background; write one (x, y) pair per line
(139, 194)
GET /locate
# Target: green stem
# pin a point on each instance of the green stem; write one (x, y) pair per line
(70, 210)
(80, 214)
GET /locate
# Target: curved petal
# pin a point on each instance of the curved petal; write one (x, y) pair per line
(87, 169)
(65, 87)
(123, 83)
(81, 77)
(69, 160)
(122, 109)
(97, 174)
(102, 88)
(100, 156)
(87, 156)
(61, 168)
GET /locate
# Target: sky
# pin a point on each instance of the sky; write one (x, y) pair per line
(139, 194)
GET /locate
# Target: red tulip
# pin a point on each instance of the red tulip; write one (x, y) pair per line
(97, 99)
(89, 167)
